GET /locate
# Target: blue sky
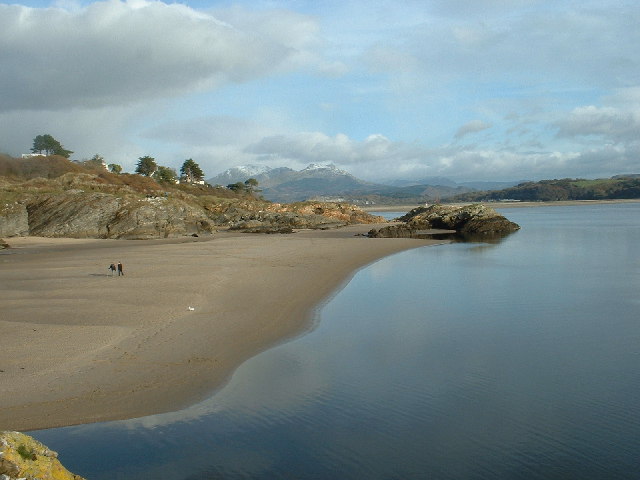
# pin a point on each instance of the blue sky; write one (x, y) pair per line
(404, 89)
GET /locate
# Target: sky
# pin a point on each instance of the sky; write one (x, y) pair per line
(493, 90)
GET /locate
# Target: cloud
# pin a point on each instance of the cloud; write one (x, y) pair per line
(210, 130)
(471, 127)
(465, 8)
(613, 124)
(377, 158)
(317, 147)
(114, 53)
(527, 48)
(85, 131)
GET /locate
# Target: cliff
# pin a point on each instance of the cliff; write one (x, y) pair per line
(85, 205)
(22, 457)
(467, 221)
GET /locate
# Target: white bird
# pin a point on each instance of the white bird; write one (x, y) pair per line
(191, 308)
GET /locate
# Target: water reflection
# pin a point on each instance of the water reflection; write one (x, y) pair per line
(464, 361)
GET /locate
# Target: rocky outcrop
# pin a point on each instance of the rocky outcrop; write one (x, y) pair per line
(14, 220)
(23, 457)
(341, 213)
(314, 215)
(100, 215)
(84, 206)
(469, 221)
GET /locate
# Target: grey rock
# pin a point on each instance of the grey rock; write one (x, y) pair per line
(468, 220)
(14, 220)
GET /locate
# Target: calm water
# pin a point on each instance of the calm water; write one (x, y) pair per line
(516, 360)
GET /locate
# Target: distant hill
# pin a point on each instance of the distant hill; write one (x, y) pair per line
(617, 187)
(489, 185)
(447, 182)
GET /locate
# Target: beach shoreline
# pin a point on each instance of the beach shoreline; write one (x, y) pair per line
(80, 345)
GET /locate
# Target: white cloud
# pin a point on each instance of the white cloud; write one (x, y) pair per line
(611, 123)
(114, 53)
(377, 158)
(317, 147)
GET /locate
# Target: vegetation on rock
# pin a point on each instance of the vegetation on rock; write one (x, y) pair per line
(23, 457)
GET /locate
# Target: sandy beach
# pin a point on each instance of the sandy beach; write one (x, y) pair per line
(78, 345)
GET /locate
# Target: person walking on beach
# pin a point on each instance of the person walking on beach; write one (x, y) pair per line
(120, 272)
(112, 267)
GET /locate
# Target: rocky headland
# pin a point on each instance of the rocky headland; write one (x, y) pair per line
(23, 457)
(89, 205)
(465, 221)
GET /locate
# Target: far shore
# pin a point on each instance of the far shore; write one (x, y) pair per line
(505, 204)
(79, 345)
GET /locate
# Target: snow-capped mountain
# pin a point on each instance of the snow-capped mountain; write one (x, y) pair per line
(239, 174)
(285, 184)
(325, 169)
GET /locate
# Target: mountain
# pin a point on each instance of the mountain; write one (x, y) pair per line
(329, 183)
(287, 185)
(238, 174)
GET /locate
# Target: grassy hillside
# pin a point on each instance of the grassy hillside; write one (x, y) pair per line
(49, 174)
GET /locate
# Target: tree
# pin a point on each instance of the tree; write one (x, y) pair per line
(49, 145)
(251, 184)
(115, 168)
(97, 161)
(191, 171)
(237, 187)
(165, 175)
(146, 166)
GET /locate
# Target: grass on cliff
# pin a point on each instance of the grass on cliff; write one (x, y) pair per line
(25, 452)
(54, 174)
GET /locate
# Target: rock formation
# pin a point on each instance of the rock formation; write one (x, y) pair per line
(13, 220)
(23, 457)
(84, 206)
(468, 221)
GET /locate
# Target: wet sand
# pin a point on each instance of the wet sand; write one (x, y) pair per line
(78, 345)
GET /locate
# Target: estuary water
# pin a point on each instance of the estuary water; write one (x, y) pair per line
(511, 360)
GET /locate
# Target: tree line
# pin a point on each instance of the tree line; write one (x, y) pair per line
(189, 172)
